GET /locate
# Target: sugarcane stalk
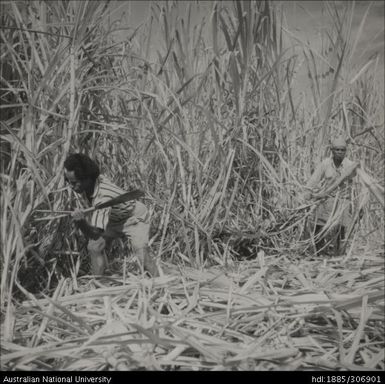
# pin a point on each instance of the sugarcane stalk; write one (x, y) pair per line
(372, 185)
(65, 214)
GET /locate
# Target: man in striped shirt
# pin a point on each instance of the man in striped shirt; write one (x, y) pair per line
(130, 219)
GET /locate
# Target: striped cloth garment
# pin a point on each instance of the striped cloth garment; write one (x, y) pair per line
(105, 190)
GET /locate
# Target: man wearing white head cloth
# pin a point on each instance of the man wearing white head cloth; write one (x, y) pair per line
(335, 208)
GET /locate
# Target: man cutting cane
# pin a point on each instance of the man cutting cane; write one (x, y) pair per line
(129, 219)
(332, 183)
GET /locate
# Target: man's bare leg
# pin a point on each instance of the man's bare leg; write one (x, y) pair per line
(146, 262)
(96, 249)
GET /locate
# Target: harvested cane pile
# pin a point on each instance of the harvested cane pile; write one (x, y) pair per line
(275, 312)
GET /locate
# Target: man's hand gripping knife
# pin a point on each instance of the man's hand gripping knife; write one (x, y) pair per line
(88, 230)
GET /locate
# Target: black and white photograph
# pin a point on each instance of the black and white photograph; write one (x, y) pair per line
(192, 186)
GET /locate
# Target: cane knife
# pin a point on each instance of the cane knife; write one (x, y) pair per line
(123, 198)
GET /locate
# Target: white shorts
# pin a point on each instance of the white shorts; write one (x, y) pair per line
(136, 228)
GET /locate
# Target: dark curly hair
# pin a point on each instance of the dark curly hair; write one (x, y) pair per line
(82, 166)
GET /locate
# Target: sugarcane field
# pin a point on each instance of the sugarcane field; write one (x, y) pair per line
(192, 186)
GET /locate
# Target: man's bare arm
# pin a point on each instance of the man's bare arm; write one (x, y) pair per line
(88, 230)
